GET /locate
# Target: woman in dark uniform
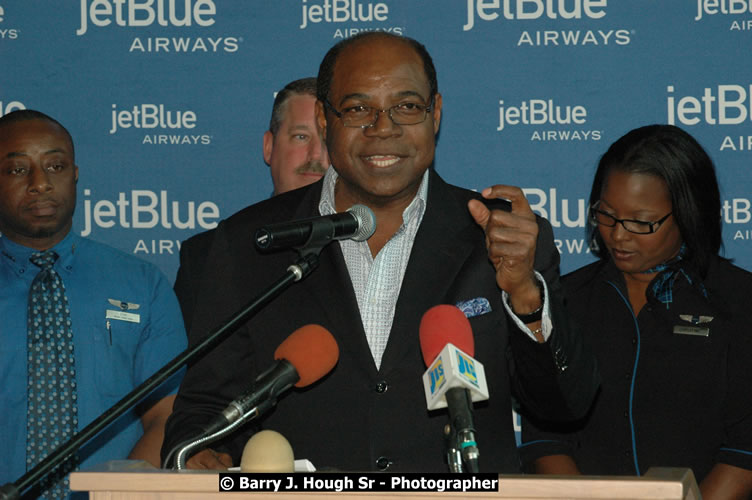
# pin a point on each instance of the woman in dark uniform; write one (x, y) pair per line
(670, 322)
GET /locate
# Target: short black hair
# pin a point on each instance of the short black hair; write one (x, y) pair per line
(22, 115)
(303, 86)
(674, 156)
(326, 69)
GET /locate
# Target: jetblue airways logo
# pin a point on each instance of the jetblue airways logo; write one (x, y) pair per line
(349, 17)
(151, 116)
(172, 124)
(725, 7)
(540, 112)
(343, 11)
(135, 13)
(551, 120)
(721, 105)
(153, 14)
(563, 11)
(532, 9)
(727, 104)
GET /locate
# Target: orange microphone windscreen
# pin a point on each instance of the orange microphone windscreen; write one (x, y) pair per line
(441, 325)
(312, 350)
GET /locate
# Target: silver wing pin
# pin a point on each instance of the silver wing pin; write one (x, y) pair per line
(123, 305)
(696, 320)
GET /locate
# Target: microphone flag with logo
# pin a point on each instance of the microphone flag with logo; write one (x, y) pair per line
(447, 344)
(453, 380)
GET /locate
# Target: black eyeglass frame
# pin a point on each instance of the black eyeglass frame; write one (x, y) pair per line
(651, 226)
(378, 111)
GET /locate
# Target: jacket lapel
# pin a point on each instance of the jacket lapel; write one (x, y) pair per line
(443, 244)
(331, 287)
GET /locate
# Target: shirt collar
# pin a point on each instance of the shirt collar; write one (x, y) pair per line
(17, 256)
(416, 208)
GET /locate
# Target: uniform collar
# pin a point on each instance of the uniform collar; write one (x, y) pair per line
(687, 281)
(17, 256)
(416, 208)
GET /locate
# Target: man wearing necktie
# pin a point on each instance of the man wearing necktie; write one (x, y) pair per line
(83, 323)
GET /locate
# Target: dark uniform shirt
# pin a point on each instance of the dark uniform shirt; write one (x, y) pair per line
(670, 395)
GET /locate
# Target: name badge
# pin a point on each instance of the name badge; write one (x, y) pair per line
(123, 316)
(695, 320)
(691, 330)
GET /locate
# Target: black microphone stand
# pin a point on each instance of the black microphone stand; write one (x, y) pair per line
(459, 434)
(308, 260)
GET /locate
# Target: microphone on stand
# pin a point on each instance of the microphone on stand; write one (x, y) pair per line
(309, 353)
(453, 380)
(357, 223)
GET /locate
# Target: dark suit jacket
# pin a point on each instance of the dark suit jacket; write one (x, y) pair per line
(357, 414)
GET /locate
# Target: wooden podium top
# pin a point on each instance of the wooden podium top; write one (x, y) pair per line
(133, 480)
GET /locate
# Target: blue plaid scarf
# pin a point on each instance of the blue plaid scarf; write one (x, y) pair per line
(663, 284)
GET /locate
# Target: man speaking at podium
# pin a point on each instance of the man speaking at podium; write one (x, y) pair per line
(434, 243)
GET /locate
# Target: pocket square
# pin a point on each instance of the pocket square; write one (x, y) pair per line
(474, 307)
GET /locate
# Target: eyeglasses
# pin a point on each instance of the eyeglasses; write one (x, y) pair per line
(633, 226)
(404, 113)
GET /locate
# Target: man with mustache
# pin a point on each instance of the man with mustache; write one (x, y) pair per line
(295, 152)
(293, 147)
(82, 324)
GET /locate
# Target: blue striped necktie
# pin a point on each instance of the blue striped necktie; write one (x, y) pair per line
(52, 413)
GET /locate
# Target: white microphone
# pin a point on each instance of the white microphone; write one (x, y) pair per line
(357, 223)
(267, 451)
(453, 379)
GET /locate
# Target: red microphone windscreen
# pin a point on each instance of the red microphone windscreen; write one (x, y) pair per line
(441, 325)
(312, 351)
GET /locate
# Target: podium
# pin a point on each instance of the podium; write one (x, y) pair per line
(133, 480)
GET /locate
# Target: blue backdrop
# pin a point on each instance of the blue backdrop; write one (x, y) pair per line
(167, 100)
